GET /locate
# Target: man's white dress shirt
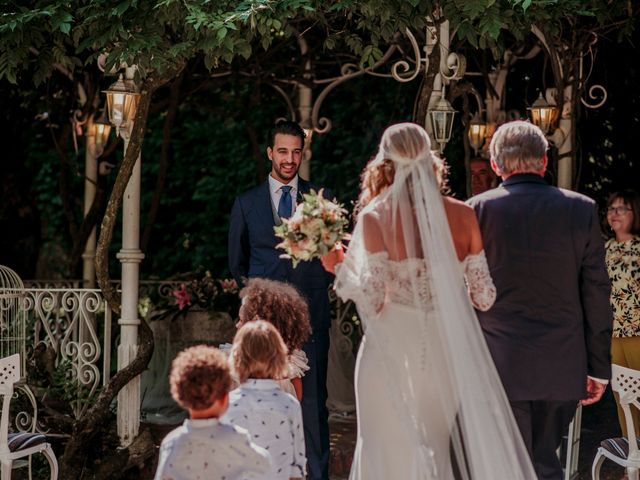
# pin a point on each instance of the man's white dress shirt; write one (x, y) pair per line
(208, 449)
(274, 421)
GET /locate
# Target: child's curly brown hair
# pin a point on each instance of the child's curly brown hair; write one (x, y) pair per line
(199, 376)
(279, 304)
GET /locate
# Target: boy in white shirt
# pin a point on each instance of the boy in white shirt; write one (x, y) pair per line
(204, 447)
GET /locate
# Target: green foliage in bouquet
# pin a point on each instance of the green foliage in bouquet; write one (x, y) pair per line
(314, 228)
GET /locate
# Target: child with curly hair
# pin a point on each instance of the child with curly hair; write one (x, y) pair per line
(274, 417)
(204, 447)
(281, 305)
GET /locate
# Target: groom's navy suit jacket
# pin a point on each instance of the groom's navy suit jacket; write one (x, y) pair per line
(253, 253)
(550, 326)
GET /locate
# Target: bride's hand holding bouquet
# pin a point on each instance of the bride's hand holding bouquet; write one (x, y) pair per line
(314, 230)
(333, 258)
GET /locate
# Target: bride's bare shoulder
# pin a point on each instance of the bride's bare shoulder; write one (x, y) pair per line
(458, 207)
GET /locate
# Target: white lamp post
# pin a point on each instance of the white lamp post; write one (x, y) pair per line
(122, 100)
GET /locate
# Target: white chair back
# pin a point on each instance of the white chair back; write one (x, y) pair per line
(626, 383)
(9, 374)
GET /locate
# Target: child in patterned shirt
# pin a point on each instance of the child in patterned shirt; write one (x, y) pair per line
(274, 418)
(204, 447)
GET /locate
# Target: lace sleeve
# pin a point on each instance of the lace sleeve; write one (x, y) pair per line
(482, 291)
(363, 282)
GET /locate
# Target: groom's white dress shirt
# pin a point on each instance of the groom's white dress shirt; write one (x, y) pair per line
(275, 188)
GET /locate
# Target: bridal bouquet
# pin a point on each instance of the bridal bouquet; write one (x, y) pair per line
(314, 228)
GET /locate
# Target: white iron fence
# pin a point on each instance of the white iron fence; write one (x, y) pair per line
(71, 335)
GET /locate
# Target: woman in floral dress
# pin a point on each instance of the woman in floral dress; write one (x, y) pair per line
(623, 265)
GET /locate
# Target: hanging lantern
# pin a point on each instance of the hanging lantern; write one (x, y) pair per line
(441, 118)
(543, 114)
(101, 130)
(477, 133)
(122, 102)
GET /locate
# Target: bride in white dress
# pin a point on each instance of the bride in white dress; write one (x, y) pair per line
(429, 401)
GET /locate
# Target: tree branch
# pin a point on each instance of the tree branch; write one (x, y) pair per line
(90, 424)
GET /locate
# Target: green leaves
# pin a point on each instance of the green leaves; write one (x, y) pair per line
(61, 20)
(370, 55)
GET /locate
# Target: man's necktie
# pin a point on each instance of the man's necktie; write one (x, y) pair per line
(284, 206)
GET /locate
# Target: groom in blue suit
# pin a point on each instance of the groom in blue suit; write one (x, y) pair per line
(253, 253)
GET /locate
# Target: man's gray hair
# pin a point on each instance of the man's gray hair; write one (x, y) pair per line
(518, 147)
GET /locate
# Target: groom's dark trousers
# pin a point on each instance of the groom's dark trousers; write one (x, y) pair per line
(253, 253)
(550, 326)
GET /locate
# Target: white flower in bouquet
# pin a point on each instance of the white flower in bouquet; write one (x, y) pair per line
(314, 228)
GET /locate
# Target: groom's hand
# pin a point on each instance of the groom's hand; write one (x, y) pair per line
(595, 390)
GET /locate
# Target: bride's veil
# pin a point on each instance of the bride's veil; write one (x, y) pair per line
(408, 221)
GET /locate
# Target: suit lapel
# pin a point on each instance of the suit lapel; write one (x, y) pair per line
(303, 187)
(263, 204)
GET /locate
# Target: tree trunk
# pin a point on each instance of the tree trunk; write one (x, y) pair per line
(142, 448)
(426, 88)
(91, 423)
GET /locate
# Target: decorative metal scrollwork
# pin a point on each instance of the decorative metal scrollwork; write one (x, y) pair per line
(595, 92)
(401, 70)
(66, 320)
(456, 65)
(349, 324)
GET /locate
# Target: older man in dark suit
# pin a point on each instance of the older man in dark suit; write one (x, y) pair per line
(549, 331)
(253, 253)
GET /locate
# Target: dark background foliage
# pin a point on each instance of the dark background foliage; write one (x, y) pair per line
(211, 159)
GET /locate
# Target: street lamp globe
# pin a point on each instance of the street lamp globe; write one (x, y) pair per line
(477, 133)
(100, 129)
(122, 102)
(440, 119)
(543, 114)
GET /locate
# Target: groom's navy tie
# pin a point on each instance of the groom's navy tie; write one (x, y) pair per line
(284, 206)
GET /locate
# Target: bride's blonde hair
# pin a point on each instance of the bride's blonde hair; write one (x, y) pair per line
(400, 143)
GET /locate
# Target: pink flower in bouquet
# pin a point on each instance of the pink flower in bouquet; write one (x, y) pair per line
(229, 285)
(183, 299)
(312, 227)
(292, 247)
(329, 238)
(307, 247)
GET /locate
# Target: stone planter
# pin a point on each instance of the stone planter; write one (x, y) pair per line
(171, 336)
(197, 327)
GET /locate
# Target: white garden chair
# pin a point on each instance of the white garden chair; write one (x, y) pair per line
(622, 450)
(22, 444)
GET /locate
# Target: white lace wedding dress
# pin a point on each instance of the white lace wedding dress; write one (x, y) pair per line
(388, 446)
(430, 404)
